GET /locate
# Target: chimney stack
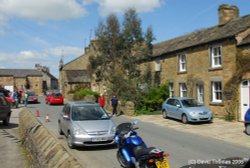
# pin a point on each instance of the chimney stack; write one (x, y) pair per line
(227, 13)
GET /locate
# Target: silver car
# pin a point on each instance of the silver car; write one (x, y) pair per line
(186, 110)
(86, 124)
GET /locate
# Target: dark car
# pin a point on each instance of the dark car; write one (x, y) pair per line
(5, 110)
(6, 94)
(247, 122)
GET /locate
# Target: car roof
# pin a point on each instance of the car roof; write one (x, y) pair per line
(181, 98)
(82, 103)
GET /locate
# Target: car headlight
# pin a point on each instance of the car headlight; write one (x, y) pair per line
(193, 113)
(78, 131)
(113, 129)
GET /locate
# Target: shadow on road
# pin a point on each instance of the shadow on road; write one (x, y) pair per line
(10, 126)
(96, 148)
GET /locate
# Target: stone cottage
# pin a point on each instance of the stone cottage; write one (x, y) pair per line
(209, 65)
(22, 79)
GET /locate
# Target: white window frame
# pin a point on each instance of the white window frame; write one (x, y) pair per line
(216, 56)
(171, 89)
(183, 89)
(182, 59)
(216, 91)
(200, 93)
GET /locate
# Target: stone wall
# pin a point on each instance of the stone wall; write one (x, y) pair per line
(45, 151)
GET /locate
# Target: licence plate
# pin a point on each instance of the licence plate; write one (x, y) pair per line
(162, 164)
(99, 139)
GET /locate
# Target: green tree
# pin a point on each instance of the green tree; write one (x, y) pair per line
(121, 46)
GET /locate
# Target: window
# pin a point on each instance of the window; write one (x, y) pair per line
(182, 62)
(216, 92)
(215, 54)
(183, 89)
(157, 78)
(200, 93)
(171, 89)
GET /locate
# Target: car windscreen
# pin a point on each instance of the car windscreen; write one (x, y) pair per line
(57, 94)
(31, 93)
(190, 103)
(81, 113)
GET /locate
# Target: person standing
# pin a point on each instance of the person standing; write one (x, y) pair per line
(114, 102)
(101, 101)
(26, 99)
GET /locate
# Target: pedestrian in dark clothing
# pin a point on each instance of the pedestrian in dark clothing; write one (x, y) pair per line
(114, 102)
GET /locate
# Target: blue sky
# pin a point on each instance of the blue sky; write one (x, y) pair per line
(41, 31)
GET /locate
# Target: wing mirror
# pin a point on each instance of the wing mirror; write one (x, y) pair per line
(177, 105)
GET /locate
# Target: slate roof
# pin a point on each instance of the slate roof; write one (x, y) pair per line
(78, 76)
(246, 40)
(21, 73)
(215, 33)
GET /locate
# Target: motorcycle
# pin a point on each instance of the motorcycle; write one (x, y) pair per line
(133, 152)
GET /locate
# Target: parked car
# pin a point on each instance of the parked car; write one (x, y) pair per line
(54, 98)
(86, 124)
(186, 109)
(32, 97)
(247, 122)
(5, 110)
(6, 94)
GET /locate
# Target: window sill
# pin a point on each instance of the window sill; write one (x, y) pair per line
(182, 72)
(216, 104)
(215, 69)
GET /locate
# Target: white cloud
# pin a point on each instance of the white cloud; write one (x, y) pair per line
(42, 10)
(50, 57)
(65, 51)
(119, 6)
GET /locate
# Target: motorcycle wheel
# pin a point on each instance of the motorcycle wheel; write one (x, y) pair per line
(123, 162)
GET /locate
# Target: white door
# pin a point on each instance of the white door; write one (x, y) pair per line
(245, 97)
(9, 87)
(200, 93)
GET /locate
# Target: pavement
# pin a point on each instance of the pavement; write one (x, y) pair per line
(11, 155)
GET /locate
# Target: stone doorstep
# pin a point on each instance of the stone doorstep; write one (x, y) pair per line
(219, 129)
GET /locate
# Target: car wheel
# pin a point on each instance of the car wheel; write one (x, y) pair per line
(70, 141)
(164, 114)
(6, 121)
(184, 119)
(248, 129)
(60, 129)
(121, 159)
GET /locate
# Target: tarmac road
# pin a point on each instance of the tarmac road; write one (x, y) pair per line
(230, 132)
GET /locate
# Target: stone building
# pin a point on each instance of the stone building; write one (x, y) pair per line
(21, 79)
(50, 82)
(205, 64)
(76, 73)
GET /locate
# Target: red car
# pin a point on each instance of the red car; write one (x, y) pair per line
(32, 97)
(54, 98)
(9, 99)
